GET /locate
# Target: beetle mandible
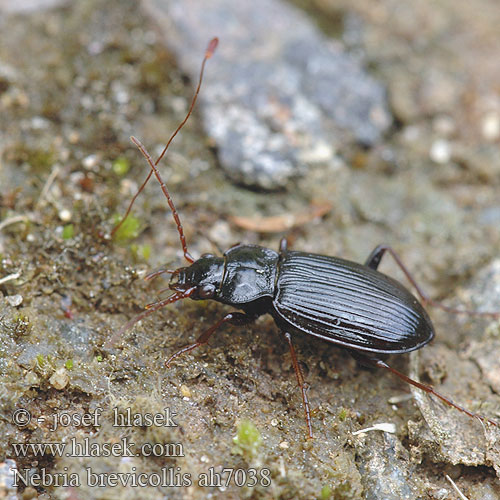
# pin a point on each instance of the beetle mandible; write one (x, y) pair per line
(348, 304)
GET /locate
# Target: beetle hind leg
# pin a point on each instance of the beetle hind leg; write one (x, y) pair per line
(373, 262)
(424, 387)
(301, 382)
(375, 257)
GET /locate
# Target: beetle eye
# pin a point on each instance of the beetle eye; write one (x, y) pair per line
(206, 292)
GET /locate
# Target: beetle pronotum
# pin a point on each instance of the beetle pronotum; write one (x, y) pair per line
(348, 304)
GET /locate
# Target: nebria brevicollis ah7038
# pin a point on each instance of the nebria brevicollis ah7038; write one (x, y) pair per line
(351, 305)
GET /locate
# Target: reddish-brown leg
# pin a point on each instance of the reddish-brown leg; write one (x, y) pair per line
(150, 308)
(300, 380)
(427, 388)
(374, 259)
(235, 318)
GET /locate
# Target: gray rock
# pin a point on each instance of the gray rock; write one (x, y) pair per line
(278, 94)
(28, 6)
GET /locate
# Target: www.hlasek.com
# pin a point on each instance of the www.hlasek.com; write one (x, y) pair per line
(89, 448)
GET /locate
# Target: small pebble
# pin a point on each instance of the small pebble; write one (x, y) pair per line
(31, 379)
(65, 215)
(186, 393)
(440, 151)
(90, 161)
(490, 126)
(59, 379)
(14, 300)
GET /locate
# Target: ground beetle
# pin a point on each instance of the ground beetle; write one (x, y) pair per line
(351, 305)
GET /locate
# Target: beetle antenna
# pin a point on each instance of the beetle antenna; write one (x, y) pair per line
(154, 169)
(208, 54)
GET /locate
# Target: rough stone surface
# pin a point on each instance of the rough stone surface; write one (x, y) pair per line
(277, 92)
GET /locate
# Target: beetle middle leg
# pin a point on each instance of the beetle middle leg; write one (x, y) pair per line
(235, 318)
(424, 387)
(302, 384)
(373, 262)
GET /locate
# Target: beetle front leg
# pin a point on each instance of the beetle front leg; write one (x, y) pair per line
(424, 387)
(302, 384)
(235, 318)
(373, 262)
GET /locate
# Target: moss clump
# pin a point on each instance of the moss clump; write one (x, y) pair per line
(121, 166)
(21, 325)
(326, 492)
(68, 232)
(247, 440)
(44, 365)
(39, 159)
(140, 252)
(128, 230)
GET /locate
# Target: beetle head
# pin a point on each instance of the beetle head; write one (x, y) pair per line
(204, 275)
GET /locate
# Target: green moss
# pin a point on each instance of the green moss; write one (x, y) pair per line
(69, 364)
(44, 365)
(22, 324)
(40, 360)
(247, 440)
(326, 492)
(39, 159)
(128, 230)
(342, 414)
(68, 232)
(121, 166)
(140, 252)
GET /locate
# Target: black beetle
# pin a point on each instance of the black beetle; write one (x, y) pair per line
(348, 304)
